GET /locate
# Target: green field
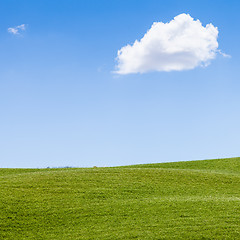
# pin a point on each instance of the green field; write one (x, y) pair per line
(181, 200)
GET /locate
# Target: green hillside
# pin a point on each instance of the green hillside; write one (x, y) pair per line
(227, 165)
(181, 200)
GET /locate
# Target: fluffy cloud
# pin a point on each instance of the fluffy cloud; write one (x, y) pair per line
(181, 44)
(17, 29)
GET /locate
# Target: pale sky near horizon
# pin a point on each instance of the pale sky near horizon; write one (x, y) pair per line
(68, 97)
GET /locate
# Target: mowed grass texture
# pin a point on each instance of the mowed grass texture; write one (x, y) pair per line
(182, 200)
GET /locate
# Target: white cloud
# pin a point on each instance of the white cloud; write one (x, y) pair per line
(181, 44)
(17, 29)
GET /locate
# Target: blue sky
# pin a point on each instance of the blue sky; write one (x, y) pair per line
(62, 105)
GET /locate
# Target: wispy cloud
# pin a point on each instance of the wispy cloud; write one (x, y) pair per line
(181, 44)
(224, 54)
(17, 30)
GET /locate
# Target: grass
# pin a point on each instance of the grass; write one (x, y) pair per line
(181, 200)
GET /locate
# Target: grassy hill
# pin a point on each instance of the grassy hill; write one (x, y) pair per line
(181, 200)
